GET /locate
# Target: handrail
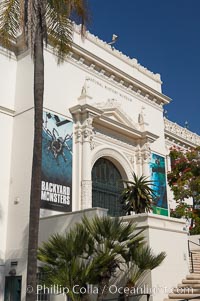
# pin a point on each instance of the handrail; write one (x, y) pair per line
(193, 243)
(192, 252)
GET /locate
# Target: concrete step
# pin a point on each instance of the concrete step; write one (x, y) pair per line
(174, 299)
(184, 290)
(190, 282)
(196, 265)
(189, 285)
(181, 299)
(194, 259)
(183, 296)
(193, 276)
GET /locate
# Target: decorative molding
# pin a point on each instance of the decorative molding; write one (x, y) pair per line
(131, 62)
(110, 103)
(115, 139)
(146, 152)
(94, 144)
(131, 159)
(113, 106)
(87, 130)
(121, 162)
(138, 156)
(180, 135)
(155, 99)
(83, 132)
(83, 116)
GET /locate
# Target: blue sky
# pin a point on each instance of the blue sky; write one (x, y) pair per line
(164, 35)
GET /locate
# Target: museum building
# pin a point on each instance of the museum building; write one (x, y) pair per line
(102, 121)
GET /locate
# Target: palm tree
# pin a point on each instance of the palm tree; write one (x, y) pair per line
(138, 195)
(113, 238)
(39, 22)
(142, 260)
(67, 261)
(91, 253)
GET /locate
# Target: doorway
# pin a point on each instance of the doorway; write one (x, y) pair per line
(107, 186)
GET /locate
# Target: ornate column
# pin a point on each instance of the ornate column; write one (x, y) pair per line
(168, 160)
(77, 155)
(138, 156)
(146, 156)
(86, 183)
(83, 115)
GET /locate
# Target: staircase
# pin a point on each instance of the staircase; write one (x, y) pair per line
(190, 287)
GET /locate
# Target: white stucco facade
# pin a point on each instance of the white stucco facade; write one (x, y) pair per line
(116, 106)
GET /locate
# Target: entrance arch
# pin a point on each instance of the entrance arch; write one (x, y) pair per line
(107, 186)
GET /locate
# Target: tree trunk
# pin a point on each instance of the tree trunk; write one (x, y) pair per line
(35, 195)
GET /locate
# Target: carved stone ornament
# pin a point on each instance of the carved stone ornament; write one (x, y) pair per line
(84, 132)
(85, 97)
(86, 194)
(146, 152)
(181, 132)
(138, 156)
(87, 130)
(109, 104)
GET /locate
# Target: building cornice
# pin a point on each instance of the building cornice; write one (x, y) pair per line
(103, 69)
(131, 62)
(180, 135)
(119, 78)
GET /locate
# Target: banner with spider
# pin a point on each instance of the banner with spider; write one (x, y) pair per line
(56, 186)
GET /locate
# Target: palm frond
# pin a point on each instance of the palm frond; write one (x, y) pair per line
(59, 17)
(10, 22)
(59, 28)
(142, 261)
(138, 195)
(79, 12)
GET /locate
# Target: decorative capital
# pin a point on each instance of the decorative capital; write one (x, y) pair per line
(84, 132)
(146, 152)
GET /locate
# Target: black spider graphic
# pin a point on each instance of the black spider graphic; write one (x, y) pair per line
(57, 145)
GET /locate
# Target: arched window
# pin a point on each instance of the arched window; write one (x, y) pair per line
(106, 187)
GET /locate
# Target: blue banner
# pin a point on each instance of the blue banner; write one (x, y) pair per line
(158, 176)
(56, 186)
